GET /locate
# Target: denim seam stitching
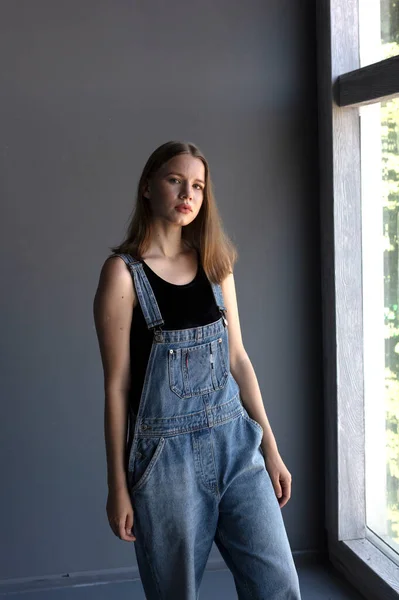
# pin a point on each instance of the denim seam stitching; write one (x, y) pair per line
(191, 429)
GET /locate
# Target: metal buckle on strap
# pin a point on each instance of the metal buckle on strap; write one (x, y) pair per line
(158, 333)
(223, 311)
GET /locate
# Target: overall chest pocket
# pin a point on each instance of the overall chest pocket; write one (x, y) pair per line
(197, 369)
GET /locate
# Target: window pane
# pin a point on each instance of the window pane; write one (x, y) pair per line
(390, 24)
(378, 30)
(380, 232)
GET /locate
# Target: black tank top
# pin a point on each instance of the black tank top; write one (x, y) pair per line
(182, 306)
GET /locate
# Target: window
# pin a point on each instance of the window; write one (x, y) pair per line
(379, 155)
(358, 87)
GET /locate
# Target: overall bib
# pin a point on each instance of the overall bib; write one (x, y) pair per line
(196, 471)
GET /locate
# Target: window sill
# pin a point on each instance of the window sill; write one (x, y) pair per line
(371, 570)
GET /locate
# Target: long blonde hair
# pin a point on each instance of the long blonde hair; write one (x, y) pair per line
(206, 234)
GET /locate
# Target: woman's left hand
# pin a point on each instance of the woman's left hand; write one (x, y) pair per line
(280, 476)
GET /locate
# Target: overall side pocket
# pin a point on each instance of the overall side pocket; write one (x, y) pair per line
(254, 423)
(146, 455)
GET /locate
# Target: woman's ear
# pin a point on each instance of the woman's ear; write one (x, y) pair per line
(146, 191)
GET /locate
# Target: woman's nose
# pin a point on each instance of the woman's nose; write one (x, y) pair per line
(186, 190)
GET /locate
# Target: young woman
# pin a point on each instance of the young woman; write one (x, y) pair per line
(191, 457)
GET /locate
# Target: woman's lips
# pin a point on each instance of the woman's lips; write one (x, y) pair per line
(183, 209)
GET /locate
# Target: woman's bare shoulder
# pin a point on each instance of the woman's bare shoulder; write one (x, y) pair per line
(115, 285)
(113, 312)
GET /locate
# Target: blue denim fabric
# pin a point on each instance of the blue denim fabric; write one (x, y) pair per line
(196, 471)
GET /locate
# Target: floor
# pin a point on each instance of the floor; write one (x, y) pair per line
(317, 582)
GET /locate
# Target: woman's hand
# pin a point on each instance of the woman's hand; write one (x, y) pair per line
(120, 513)
(279, 474)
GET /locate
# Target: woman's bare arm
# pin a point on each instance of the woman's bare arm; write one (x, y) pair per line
(113, 311)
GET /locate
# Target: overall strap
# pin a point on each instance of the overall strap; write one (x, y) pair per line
(218, 294)
(145, 294)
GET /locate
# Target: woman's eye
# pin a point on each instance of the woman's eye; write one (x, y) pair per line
(175, 179)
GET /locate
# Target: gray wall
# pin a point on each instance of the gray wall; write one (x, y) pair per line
(88, 90)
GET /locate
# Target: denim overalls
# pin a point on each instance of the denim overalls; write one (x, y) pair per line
(195, 469)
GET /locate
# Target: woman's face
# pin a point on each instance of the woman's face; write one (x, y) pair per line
(180, 180)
